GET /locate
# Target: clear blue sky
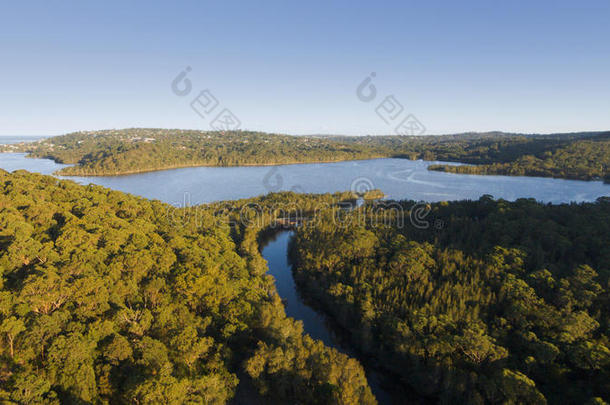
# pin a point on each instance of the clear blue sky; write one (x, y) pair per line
(288, 66)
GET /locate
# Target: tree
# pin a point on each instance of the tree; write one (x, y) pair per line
(11, 328)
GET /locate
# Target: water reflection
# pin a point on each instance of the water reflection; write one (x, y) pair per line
(275, 250)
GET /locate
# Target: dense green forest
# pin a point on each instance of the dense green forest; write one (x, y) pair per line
(495, 302)
(581, 159)
(584, 156)
(109, 298)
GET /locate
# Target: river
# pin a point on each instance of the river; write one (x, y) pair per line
(275, 250)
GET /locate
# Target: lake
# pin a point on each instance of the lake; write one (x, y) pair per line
(397, 178)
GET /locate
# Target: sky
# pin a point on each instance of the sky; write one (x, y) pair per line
(295, 67)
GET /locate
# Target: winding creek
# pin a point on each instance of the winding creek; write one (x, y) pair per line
(275, 249)
(397, 178)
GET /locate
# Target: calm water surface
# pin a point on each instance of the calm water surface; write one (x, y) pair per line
(275, 251)
(397, 178)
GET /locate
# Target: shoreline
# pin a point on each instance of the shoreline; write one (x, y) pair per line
(174, 167)
(187, 166)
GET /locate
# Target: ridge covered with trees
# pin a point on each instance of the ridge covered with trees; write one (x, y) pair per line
(583, 156)
(117, 152)
(587, 159)
(494, 302)
(580, 156)
(110, 298)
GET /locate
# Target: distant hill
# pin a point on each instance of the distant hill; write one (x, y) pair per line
(580, 155)
(134, 150)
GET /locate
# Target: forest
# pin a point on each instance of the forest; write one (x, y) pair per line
(109, 298)
(494, 302)
(582, 156)
(117, 152)
(587, 159)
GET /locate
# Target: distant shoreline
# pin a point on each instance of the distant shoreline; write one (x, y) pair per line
(175, 167)
(577, 156)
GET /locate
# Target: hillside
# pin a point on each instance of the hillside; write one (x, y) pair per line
(106, 298)
(582, 156)
(503, 303)
(116, 152)
(581, 159)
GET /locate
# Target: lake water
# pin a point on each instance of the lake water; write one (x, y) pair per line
(397, 178)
